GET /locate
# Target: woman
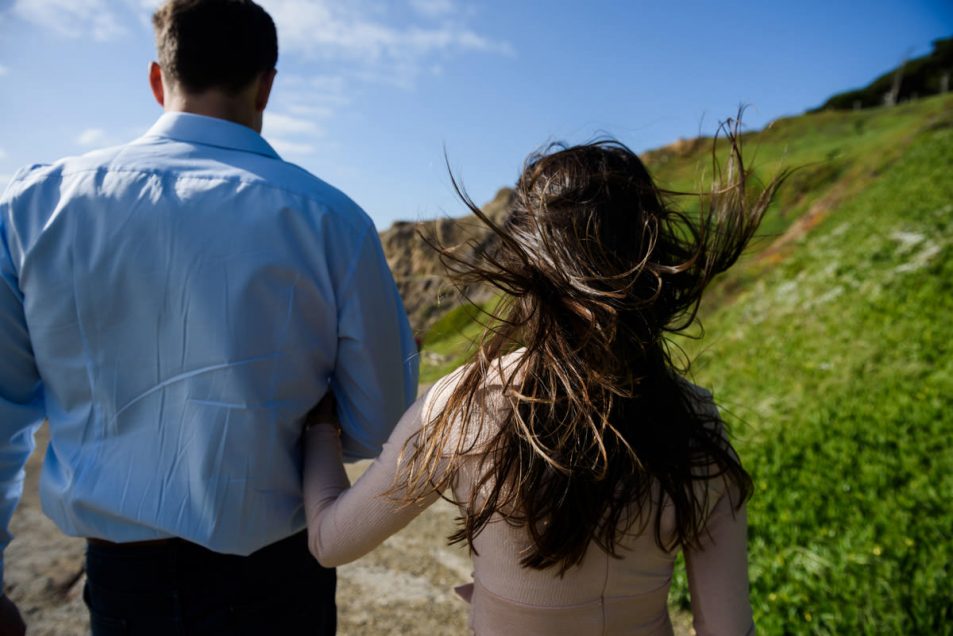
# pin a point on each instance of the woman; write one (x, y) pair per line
(580, 459)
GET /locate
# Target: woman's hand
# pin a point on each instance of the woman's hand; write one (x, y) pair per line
(324, 414)
(10, 620)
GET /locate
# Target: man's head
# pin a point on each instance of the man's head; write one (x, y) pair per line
(216, 57)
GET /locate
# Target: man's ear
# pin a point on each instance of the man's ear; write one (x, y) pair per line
(155, 82)
(264, 89)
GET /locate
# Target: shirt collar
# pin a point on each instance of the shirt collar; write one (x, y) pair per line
(210, 131)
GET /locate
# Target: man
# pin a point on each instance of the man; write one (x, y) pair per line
(175, 307)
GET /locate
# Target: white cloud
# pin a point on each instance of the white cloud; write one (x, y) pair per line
(72, 18)
(149, 6)
(306, 103)
(93, 137)
(144, 10)
(370, 40)
(290, 135)
(3, 153)
(324, 91)
(291, 148)
(279, 124)
(433, 8)
(313, 112)
(373, 35)
(365, 41)
(3, 70)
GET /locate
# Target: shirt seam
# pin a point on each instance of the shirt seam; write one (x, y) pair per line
(602, 597)
(576, 605)
(352, 268)
(264, 152)
(264, 183)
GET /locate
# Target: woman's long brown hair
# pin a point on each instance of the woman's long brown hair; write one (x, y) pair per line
(596, 270)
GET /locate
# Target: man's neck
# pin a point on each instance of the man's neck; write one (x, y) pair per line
(216, 103)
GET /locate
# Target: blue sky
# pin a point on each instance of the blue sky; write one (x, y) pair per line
(369, 93)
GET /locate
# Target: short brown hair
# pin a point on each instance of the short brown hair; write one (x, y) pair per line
(206, 44)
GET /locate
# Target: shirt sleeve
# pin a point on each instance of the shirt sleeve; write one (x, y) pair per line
(375, 375)
(718, 574)
(21, 405)
(345, 523)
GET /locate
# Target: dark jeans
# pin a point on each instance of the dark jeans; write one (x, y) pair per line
(177, 588)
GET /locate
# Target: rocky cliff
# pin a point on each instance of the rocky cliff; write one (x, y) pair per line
(421, 277)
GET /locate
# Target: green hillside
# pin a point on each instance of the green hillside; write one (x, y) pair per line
(830, 348)
(929, 74)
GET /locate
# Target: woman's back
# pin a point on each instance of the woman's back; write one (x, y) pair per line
(604, 594)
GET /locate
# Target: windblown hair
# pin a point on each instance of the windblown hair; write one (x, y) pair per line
(599, 428)
(223, 44)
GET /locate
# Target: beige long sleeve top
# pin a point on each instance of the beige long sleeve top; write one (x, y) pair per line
(603, 595)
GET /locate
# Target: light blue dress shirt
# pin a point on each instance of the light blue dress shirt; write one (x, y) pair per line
(175, 307)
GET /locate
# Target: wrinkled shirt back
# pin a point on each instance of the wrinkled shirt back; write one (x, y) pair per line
(189, 297)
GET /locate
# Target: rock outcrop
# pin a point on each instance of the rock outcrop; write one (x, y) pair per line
(420, 275)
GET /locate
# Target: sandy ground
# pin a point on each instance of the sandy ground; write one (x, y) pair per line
(404, 587)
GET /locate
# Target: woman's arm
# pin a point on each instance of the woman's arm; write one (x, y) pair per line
(345, 523)
(718, 574)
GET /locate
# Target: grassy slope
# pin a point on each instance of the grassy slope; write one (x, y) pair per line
(833, 355)
(450, 340)
(839, 361)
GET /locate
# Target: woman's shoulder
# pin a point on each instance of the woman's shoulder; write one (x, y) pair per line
(486, 397)
(496, 375)
(702, 403)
